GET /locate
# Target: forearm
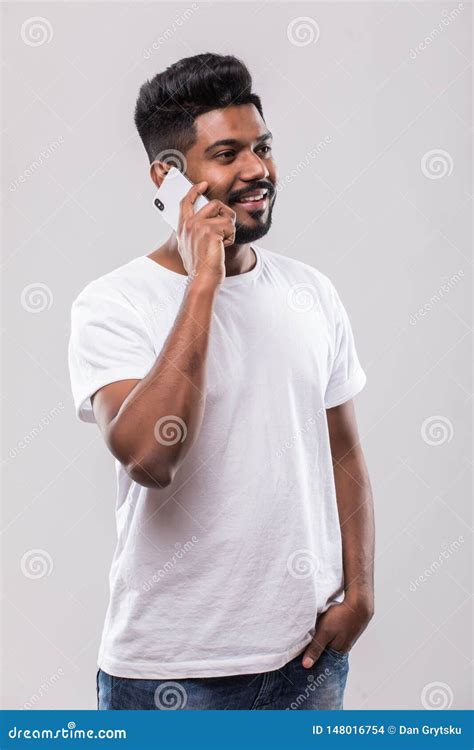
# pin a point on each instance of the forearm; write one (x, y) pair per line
(173, 391)
(356, 515)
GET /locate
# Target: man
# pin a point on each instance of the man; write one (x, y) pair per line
(221, 376)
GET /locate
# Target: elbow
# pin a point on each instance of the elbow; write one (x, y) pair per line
(149, 476)
(146, 471)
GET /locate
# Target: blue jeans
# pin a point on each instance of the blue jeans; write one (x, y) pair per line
(292, 687)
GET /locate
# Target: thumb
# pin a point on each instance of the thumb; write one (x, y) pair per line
(314, 649)
(190, 198)
(201, 188)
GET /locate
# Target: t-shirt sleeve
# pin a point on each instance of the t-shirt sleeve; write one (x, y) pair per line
(108, 342)
(346, 376)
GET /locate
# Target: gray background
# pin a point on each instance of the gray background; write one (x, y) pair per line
(382, 89)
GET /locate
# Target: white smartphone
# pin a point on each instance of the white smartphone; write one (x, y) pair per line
(167, 198)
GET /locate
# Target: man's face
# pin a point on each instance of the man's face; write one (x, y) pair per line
(233, 153)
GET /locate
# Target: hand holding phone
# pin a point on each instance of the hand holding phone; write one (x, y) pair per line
(203, 234)
(170, 193)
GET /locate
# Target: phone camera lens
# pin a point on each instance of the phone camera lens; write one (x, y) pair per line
(159, 204)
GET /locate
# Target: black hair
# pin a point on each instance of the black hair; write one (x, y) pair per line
(169, 103)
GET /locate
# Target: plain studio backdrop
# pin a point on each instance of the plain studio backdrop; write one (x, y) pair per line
(370, 106)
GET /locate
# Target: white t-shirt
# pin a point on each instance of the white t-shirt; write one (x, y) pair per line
(225, 570)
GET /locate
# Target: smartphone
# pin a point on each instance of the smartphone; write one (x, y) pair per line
(167, 198)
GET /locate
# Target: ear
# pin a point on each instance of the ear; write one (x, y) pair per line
(158, 171)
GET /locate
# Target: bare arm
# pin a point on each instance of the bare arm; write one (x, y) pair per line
(151, 424)
(355, 506)
(173, 390)
(342, 624)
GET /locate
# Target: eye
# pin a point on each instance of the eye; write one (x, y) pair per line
(269, 148)
(226, 154)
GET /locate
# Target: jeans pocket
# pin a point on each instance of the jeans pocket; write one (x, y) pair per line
(339, 654)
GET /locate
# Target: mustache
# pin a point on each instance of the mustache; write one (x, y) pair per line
(260, 185)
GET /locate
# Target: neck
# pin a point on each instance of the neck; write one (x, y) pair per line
(238, 258)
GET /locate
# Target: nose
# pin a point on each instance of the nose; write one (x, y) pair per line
(253, 168)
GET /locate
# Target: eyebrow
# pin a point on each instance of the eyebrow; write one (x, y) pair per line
(235, 142)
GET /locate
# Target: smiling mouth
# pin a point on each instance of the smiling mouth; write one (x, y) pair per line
(254, 200)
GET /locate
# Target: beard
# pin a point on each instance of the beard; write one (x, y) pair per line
(245, 234)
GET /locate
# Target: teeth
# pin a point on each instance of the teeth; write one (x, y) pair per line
(252, 198)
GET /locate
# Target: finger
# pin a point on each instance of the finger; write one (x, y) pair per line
(190, 198)
(227, 211)
(216, 208)
(314, 650)
(222, 226)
